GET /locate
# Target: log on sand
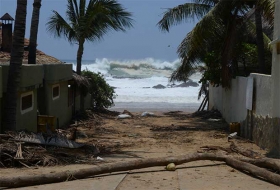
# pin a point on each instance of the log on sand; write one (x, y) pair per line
(137, 164)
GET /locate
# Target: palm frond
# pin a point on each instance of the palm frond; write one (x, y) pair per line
(183, 12)
(104, 16)
(268, 7)
(72, 11)
(59, 27)
(183, 72)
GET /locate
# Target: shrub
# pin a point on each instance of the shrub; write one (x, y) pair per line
(102, 93)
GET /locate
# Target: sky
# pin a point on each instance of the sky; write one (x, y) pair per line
(144, 40)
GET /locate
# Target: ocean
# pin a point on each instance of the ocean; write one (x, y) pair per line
(134, 80)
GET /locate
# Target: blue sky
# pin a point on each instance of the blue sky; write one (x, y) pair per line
(145, 40)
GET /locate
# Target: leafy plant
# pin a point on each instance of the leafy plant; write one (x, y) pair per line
(102, 94)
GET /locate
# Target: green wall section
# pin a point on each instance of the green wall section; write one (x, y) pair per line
(27, 121)
(58, 107)
(40, 79)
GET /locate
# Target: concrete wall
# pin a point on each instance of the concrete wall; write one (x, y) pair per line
(231, 102)
(58, 107)
(56, 74)
(1, 83)
(262, 104)
(276, 64)
(31, 79)
(88, 101)
(256, 124)
(1, 95)
(28, 120)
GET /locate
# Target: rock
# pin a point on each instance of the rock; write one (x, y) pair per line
(159, 86)
(188, 84)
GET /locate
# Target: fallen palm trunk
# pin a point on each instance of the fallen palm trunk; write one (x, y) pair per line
(269, 163)
(136, 164)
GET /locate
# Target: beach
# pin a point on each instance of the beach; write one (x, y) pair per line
(144, 85)
(154, 107)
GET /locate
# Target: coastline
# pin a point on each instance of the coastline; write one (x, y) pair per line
(155, 107)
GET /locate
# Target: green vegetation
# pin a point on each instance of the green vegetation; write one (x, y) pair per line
(231, 38)
(102, 94)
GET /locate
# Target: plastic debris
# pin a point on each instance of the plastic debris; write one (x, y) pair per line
(232, 135)
(99, 158)
(147, 114)
(123, 116)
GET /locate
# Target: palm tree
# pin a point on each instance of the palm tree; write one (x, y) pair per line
(88, 22)
(223, 27)
(9, 119)
(33, 32)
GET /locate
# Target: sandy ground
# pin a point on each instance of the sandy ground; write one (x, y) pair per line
(165, 134)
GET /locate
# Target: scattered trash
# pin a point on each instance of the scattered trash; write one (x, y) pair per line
(147, 114)
(123, 116)
(171, 167)
(232, 135)
(81, 135)
(99, 158)
(214, 119)
(128, 113)
(51, 140)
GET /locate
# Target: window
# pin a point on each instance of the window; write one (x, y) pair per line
(26, 102)
(55, 91)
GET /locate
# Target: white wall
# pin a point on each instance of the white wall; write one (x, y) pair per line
(232, 102)
(276, 64)
(262, 94)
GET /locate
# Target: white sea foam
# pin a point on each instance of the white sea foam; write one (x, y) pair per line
(133, 80)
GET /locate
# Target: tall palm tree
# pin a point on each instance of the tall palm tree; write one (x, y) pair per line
(219, 30)
(88, 22)
(34, 32)
(9, 119)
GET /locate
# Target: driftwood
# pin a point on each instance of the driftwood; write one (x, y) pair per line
(234, 148)
(137, 164)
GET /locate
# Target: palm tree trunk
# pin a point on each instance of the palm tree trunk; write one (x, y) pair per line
(10, 108)
(79, 56)
(260, 43)
(34, 32)
(78, 69)
(227, 50)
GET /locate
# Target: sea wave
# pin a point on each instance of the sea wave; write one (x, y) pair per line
(141, 68)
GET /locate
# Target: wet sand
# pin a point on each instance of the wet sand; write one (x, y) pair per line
(155, 106)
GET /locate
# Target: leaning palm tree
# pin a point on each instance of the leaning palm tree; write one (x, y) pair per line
(32, 48)
(10, 105)
(219, 30)
(88, 22)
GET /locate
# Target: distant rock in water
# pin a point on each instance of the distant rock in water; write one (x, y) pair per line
(159, 86)
(146, 87)
(188, 84)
